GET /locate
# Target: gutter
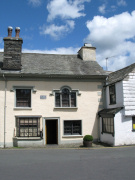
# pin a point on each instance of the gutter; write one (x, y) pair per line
(19, 74)
(5, 107)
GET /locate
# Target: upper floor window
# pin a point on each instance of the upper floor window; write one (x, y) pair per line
(112, 94)
(65, 98)
(23, 97)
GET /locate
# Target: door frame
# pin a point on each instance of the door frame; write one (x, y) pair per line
(44, 128)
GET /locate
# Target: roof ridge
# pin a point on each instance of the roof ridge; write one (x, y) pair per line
(49, 54)
(120, 74)
(122, 69)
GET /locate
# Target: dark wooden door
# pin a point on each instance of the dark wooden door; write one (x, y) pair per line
(51, 128)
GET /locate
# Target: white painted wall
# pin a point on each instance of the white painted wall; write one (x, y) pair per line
(125, 96)
(119, 95)
(123, 134)
(87, 107)
(123, 130)
(2, 94)
(129, 94)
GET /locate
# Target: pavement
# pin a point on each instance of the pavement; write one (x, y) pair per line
(64, 146)
(77, 145)
(95, 145)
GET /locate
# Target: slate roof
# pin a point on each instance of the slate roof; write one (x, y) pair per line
(53, 64)
(120, 74)
(109, 112)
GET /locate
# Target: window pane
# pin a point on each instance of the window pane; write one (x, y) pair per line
(57, 99)
(111, 121)
(67, 127)
(112, 98)
(133, 122)
(23, 98)
(77, 127)
(72, 127)
(112, 94)
(104, 124)
(108, 125)
(30, 121)
(28, 127)
(112, 89)
(73, 99)
(65, 98)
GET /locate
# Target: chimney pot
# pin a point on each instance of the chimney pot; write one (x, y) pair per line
(87, 45)
(17, 31)
(10, 31)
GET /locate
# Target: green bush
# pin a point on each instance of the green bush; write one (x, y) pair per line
(88, 138)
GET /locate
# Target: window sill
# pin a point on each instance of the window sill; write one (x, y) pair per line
(22, 108)
(108, 133)
(72, 136)
(27, 138)
(112, 104)
(65, 107)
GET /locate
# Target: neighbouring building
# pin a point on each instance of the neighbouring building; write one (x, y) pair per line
(48, 98)
(117, 120)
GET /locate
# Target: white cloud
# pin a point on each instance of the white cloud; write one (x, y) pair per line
(113, 36)
(57, 31)
(121, 3)
(65, 9)
(102, 9)
(1, 50)
(35, 3)
(61, 50)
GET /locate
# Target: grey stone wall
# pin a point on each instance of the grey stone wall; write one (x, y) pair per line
(12, 53)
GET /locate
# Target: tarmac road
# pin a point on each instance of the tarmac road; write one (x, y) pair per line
(68, 164)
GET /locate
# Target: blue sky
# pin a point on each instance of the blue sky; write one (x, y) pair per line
(63, 26)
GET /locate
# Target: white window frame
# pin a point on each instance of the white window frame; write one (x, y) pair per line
(18, 126)
(60, 91)
(33, 90)
(114, 93)
(73, 135)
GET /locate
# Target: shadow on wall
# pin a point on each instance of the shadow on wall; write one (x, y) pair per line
(95, 128)
(96, 125)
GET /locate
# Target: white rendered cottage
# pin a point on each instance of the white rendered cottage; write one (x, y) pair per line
(48, 98)
(117, 121)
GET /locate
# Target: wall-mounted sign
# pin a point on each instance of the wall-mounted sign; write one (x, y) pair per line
(42, 96)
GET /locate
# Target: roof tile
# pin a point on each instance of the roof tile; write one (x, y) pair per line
(53, 64)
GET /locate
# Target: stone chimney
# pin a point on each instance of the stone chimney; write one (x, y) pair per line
(12, 50)
(87, 52)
